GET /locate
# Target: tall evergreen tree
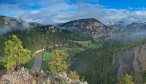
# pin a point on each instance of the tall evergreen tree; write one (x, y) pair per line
(59, 61)
(16, 53)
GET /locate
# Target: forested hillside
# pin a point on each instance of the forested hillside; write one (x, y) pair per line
(104, 59)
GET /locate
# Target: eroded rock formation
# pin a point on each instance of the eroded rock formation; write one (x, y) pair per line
(132, 62)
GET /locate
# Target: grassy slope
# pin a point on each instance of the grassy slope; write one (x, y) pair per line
(88, 44)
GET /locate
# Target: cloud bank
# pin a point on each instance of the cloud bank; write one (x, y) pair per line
(56, 11)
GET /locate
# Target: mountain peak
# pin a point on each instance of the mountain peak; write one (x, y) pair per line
(84, 27)
(81, 21)
(84, 19)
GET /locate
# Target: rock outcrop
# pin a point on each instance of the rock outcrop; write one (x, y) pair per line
(12, 77)
(23, 76)
(85, 27)
(124, 62)
(132, 62)
(139, 63)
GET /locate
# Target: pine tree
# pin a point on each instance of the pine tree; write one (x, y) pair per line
(74, 75)
(127, 79)
(59, 61)
(16, 53)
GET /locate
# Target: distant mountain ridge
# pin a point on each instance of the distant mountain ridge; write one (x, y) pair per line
(85, 28)
(135, 26)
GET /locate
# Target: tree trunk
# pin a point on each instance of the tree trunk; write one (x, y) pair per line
(17, 66)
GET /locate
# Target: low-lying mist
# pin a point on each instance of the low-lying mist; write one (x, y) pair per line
(10, 24)
(129, 37)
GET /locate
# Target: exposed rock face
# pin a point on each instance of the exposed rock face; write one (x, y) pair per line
(132, 62)
(85, 27)
(124, 62)
(139, 63)
(13, 77)
(23, 76)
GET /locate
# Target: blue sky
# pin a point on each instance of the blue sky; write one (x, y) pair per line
(55, 11)
(124, 4)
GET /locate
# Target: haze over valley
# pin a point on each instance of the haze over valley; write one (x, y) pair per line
(72, 42)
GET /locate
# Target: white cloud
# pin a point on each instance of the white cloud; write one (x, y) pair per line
(34, 12)
(55, 11)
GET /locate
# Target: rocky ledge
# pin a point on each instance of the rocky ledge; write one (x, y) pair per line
(23, 76)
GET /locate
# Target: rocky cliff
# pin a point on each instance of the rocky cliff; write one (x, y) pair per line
(132, 62)
(139, 62)
(85, 27)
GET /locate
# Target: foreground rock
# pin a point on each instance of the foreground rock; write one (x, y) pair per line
(23, 76)
(12, 77)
